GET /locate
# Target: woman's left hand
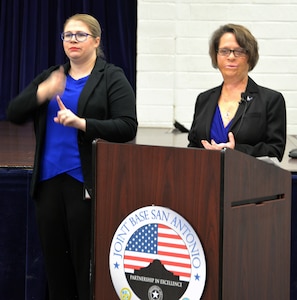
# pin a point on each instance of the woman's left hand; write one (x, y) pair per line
(214, 146)
(67, 118)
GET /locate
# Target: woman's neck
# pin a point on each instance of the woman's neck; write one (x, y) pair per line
(232, 90)
(80, 70)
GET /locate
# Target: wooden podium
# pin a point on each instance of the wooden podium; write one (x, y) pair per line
(239, 206)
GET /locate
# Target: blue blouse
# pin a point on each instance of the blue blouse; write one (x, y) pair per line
(218, 132)
(61, 154)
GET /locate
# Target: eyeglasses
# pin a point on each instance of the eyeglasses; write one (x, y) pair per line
(240, 52)
(79, 36)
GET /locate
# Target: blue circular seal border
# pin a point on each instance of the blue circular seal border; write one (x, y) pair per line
(156, 215)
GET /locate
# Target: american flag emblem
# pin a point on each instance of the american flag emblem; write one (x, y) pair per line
(158, 242)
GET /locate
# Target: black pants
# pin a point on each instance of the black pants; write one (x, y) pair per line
(64, 222)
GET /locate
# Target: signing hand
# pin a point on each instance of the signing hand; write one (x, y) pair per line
(52, 86)
(67, 118)
(214, 146)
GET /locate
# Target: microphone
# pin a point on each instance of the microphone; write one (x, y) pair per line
(243, 98)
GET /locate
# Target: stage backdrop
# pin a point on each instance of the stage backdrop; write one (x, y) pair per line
(30, 38)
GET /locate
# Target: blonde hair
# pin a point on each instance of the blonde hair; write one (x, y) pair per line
(93, 26)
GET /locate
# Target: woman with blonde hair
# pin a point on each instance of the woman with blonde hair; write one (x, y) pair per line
(71, 105)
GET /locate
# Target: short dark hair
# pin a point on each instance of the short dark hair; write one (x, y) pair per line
(243, 37)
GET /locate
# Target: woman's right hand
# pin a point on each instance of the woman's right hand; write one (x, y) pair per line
(214, 146)
(54, 85)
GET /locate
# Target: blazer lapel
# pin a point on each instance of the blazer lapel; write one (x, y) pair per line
(213, 102)
(95, 76)
(248, 96)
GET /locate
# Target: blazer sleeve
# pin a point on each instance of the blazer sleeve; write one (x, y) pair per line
(119, 122)
(24, 106)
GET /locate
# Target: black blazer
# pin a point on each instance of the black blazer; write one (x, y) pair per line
(259, 124)
(107, 102)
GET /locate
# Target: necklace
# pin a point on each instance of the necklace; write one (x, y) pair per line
(227, 115)
(229, 112)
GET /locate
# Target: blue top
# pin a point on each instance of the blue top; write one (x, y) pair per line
(218, 132)
(61, 154)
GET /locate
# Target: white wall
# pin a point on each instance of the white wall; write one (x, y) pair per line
(173, 64)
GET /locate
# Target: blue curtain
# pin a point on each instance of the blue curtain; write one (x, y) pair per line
(30, 38)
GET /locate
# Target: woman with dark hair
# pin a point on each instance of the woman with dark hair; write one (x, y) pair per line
(238, 114)
(72, 105)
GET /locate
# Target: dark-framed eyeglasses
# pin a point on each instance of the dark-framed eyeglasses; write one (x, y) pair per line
(80, 36)
(239, 52)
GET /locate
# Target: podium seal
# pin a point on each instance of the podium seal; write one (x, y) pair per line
(155, 254)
